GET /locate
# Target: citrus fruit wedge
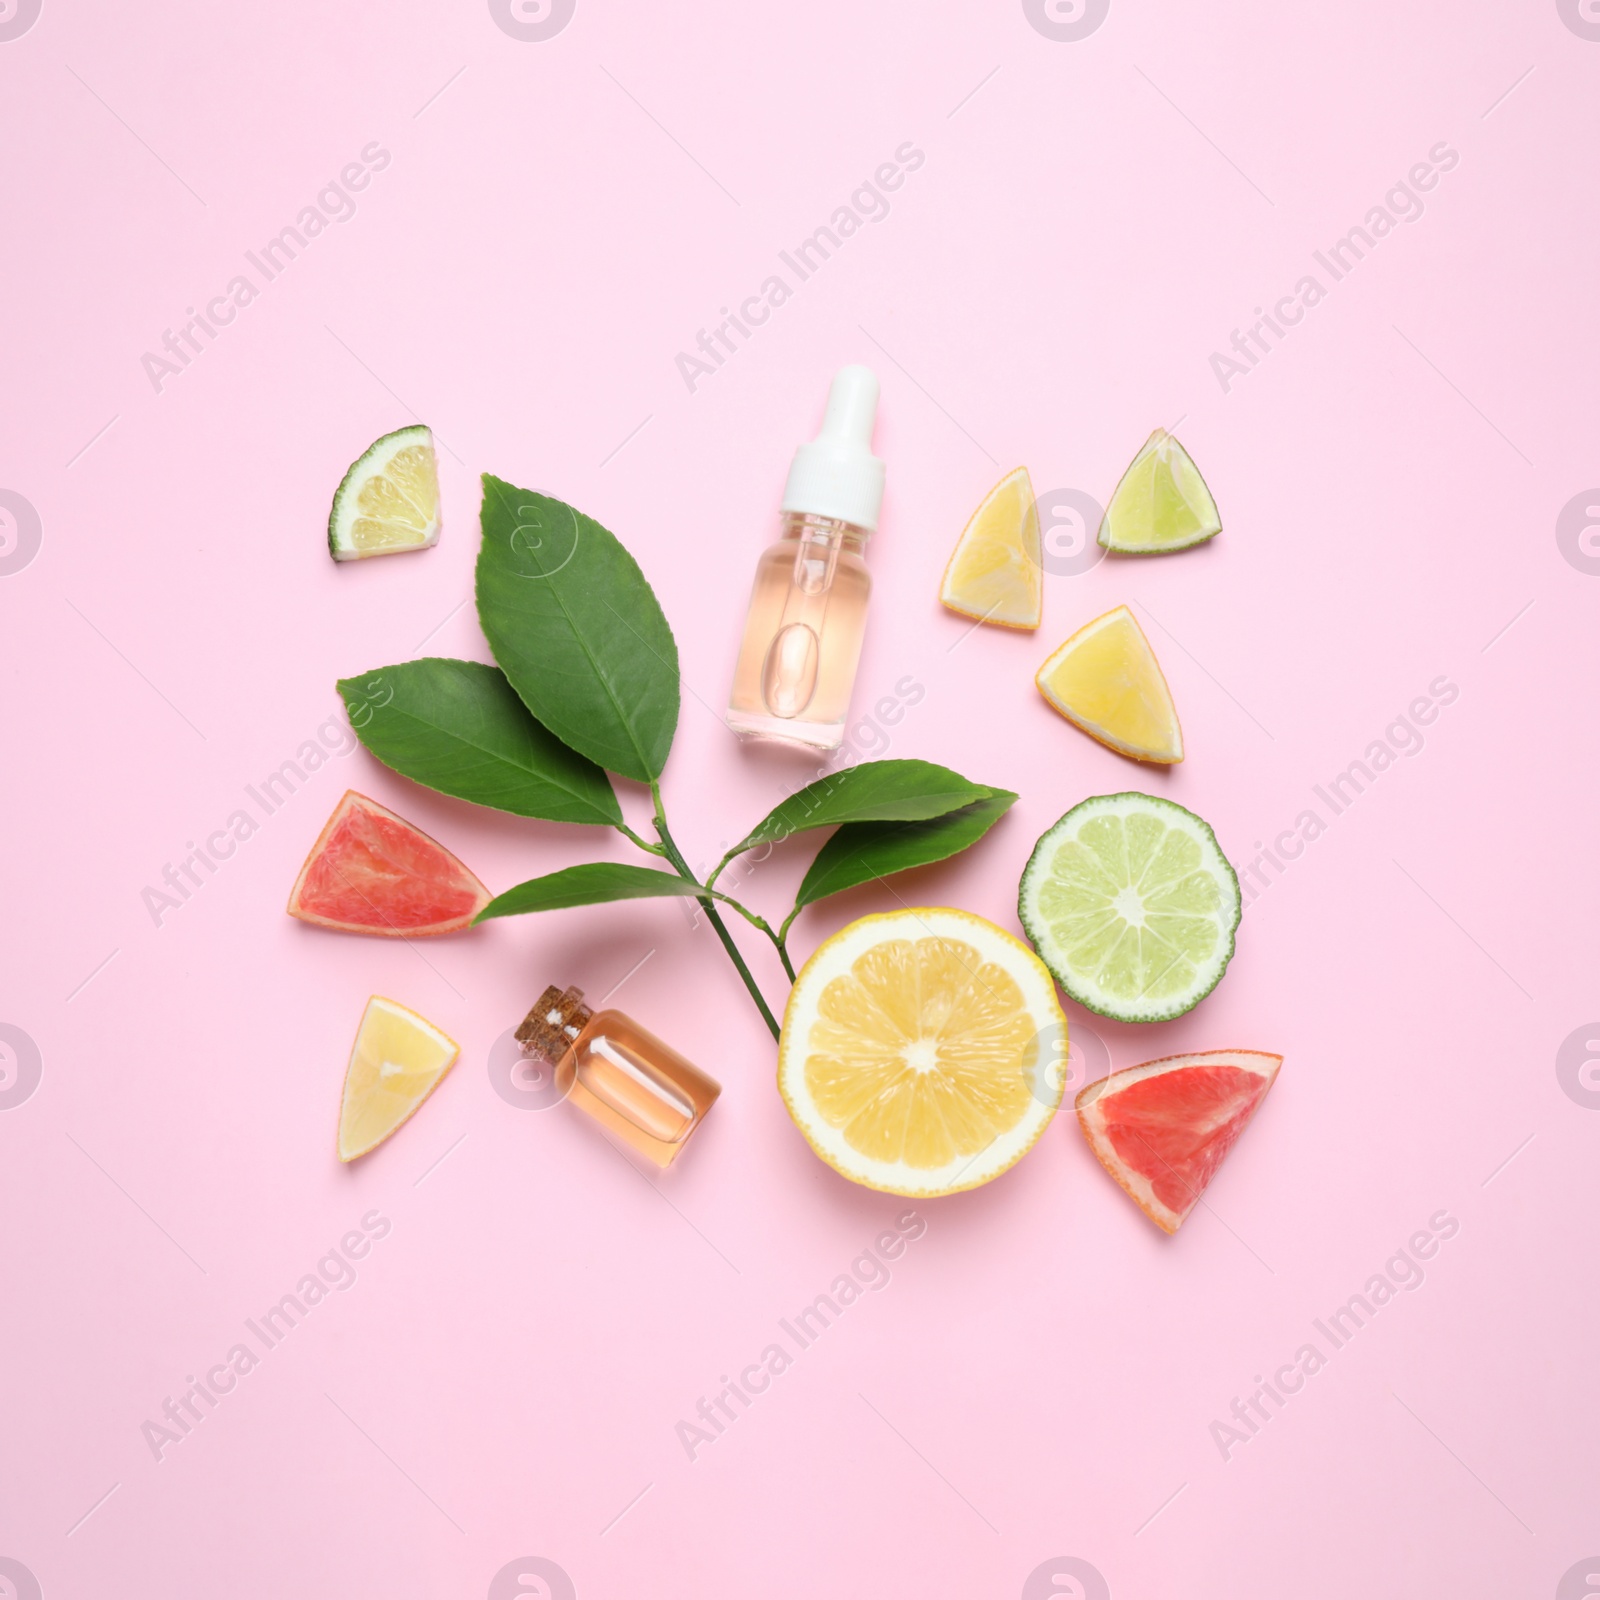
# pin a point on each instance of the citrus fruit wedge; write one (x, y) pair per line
(1106, 679)
(372, 872)
(389, 499)
(923, 1051)
(1161, 504)
(993, 573)
(1132, 906)
(1162, 1130)
(396, 1064)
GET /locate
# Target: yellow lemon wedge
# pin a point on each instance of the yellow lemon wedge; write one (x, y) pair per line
(389, 499)
(993, 574)
(923, 1051)
(1106, 679)
(1161, 504)
(396, 1064)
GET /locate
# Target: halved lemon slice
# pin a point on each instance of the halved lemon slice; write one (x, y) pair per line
(396, 1064)
(389, 499)
(1161, 504)
(993, 572)
(923, 1051)
(1107, 680)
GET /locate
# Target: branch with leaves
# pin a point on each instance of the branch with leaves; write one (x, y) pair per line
(586, 686)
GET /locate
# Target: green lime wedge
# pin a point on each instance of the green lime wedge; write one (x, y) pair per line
(1132, 906)
(389, 499)
(1161, 504)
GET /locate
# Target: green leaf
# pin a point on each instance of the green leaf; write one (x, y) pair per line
(457, 726)
(586, 885)
(577, 629)
(863, 851)
(874, 791)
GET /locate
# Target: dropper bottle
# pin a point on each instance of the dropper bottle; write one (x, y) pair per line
(808, 607)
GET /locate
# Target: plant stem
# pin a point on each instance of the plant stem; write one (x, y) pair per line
(670, 850)
(753, 918)
(643, 844)
(765, 926)
(778, 938)
(781, 939)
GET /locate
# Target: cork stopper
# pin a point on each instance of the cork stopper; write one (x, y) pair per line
(557, 1018)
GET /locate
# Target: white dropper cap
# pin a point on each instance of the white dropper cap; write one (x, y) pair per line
(837, 475)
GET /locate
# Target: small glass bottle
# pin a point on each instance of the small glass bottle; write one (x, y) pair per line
(808, 608)
(626, 1078)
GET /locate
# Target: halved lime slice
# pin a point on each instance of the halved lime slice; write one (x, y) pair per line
(1132, 906)
(389, 499)
(1161, 504)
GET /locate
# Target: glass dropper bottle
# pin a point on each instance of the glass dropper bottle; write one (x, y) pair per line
(808, 607)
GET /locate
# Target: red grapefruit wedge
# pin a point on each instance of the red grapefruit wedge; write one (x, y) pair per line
(1162, 1129)
(372, 872)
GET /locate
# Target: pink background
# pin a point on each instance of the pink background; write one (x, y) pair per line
(558, 220)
